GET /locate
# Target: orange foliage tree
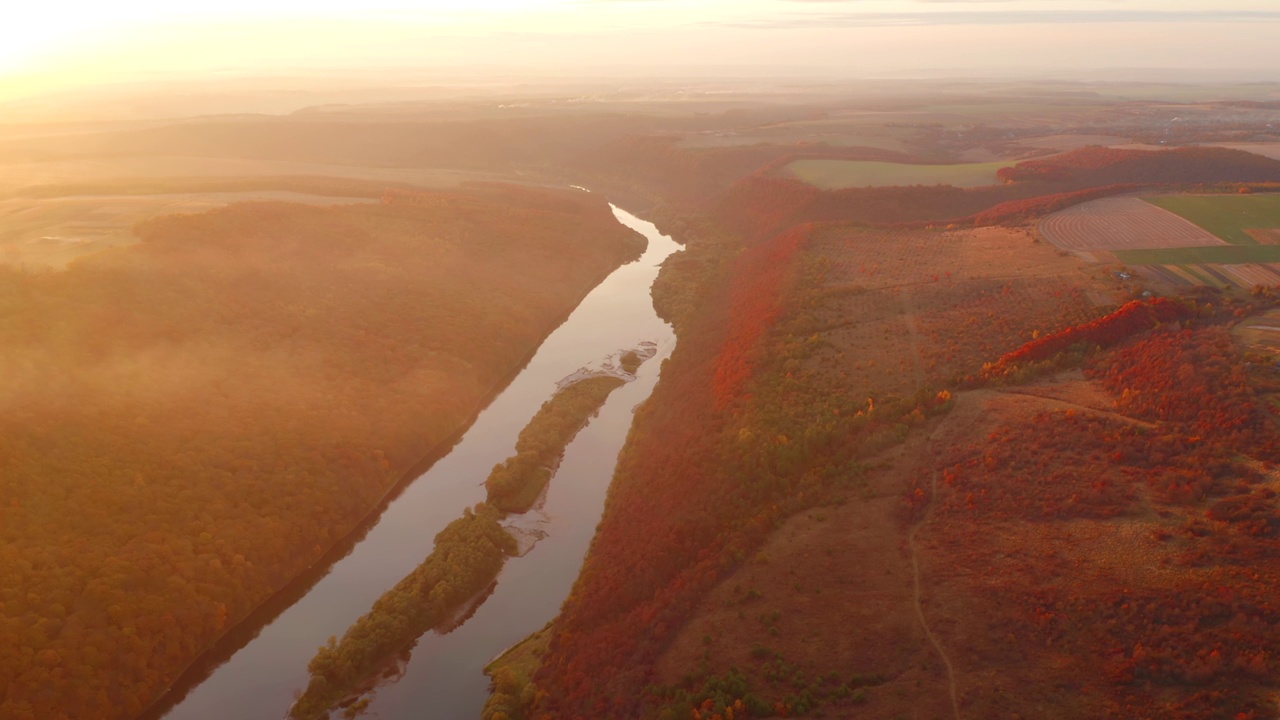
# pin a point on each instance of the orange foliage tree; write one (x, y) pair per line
(192, 421)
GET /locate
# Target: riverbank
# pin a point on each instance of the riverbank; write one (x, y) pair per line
(746, 428)
(244, 631)
(467, 556)
(511, 674)
(249, 383)
(516, 483)
(530, 588)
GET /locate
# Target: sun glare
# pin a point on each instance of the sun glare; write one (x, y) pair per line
(54, 45)
(35, 33)
(41, 36)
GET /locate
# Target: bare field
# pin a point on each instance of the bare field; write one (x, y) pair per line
(911, 308)
(1122, 223)
(51, 232)
(1265, 236)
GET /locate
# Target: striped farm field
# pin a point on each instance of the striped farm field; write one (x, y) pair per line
(1240, 275)
(1122, 223)
(1251, 275)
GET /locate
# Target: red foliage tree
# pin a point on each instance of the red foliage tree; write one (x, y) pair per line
(1132, 317)
(757, 300)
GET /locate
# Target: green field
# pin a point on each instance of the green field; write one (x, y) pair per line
(1214, 255)
(837, 174)
(1227, 216)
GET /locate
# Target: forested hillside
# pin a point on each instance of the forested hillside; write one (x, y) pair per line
(192, 421)
(819, 330)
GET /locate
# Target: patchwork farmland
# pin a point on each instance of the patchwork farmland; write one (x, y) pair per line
(1234, 218)
(1176, 241)
(1220, 275)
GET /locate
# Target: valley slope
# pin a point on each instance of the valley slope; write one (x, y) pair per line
(192, 421)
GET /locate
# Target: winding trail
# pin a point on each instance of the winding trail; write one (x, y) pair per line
(917, 358)
(915, 572)
(1058, 403)
(970, 407)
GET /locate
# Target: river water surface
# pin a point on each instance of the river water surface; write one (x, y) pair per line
(443, 678)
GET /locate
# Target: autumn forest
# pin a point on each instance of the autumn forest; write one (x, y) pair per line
(879, 400)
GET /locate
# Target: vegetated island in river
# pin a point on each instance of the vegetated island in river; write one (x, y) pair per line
(467, 557)
(218, 404)
(515, 484)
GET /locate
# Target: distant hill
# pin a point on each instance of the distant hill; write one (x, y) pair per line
(760, 203)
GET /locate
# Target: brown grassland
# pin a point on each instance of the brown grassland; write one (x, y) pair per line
(900, 310)
(828, 576)
(1095, 545)
(825, 606)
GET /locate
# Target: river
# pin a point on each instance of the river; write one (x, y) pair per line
(443, 676)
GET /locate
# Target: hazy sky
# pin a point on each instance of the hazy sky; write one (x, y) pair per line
(47, 44)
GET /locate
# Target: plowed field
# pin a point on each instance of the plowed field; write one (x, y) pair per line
(1122, 223)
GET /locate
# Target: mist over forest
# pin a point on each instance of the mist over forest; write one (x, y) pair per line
(540, 360)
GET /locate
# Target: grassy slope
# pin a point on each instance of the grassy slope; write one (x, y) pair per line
(923, 327)
(705, 475)
(1053, 523)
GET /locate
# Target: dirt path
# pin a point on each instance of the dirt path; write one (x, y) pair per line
(915, 571)
(913, 333)
(966, 414)
(1061, 404)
